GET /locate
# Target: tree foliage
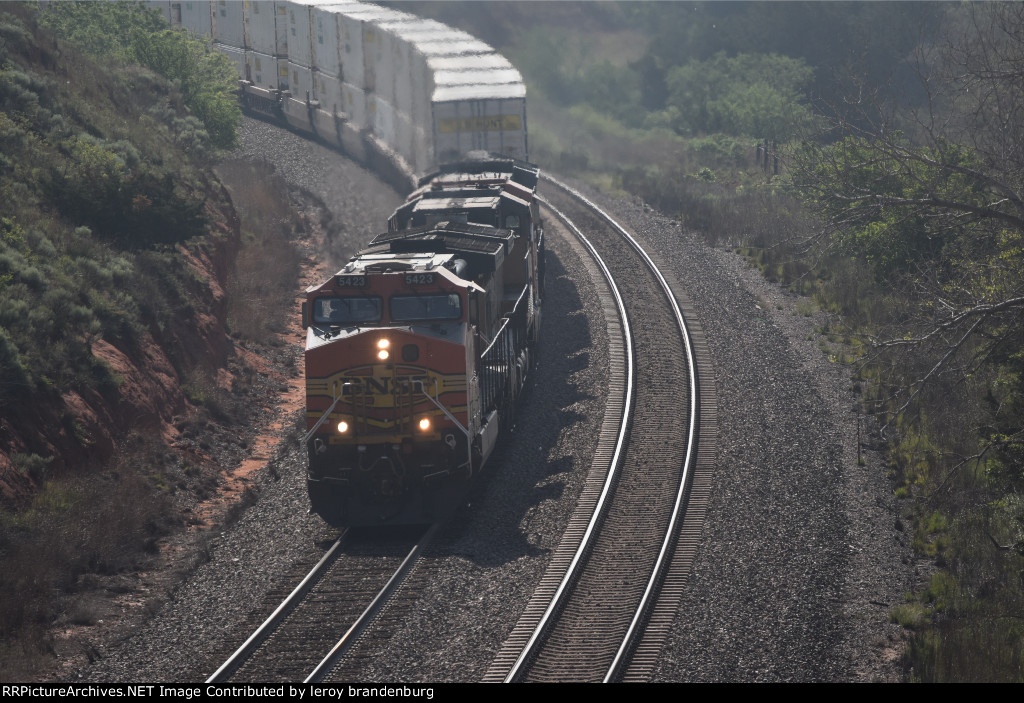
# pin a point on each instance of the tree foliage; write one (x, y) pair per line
(842, 38)
(749, 94)
(931, 197)
(102, 29)
(207, 79)
(130, 32)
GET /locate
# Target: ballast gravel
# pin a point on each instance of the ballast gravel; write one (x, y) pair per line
(801, 559)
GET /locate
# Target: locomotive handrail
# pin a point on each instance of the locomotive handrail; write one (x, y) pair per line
(327, 413)
(497, 335)
(465, 430)
(440, 407)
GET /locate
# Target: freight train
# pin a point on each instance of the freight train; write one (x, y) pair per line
(396, 92)
(417, 350)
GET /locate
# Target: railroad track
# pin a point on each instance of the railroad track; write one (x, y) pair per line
(603, 610)
(319, 621)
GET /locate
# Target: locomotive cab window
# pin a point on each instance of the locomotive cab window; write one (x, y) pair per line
(348, 310)
(444, 306)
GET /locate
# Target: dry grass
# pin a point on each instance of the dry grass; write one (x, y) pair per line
(76, 527)
(266, 270)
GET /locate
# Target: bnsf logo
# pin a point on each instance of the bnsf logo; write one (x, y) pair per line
(368, 385)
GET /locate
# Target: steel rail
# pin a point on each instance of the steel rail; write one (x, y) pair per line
(270, 624)
(571, 573)
(364, 620)
(665, 552)
(678, 509)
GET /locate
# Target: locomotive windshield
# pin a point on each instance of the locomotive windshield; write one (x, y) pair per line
(341, 311)
(445, 306)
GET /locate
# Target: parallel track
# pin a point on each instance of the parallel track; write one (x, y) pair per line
(306, 635)
(612, 590)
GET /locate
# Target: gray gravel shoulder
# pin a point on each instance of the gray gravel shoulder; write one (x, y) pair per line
(802, 557)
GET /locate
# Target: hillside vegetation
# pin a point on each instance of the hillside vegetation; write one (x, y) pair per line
(865, 154)
(116, 243)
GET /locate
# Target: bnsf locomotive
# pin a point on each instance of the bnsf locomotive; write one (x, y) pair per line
(418, 348)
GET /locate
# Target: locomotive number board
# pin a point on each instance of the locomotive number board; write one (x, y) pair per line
(418, 279)
(350, 281)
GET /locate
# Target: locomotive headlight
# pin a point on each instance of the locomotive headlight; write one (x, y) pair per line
(383, 355)
(383, 343)
(342, 427)
(382, 348)
(425, 424)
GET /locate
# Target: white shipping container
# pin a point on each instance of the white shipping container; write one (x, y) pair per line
(434, 59)
(231, 23)
(383, 115)
(355, 21)
(264, 70)
(326, 40)
(413, 144)
(296, 113)
(281, 27)
(236, 56)
(391, 58)
(299, 22)
(460, 44)
(300, 81)
(424, 161)
(329, 93)
(196, 17)
(448, 94)
(355, 102)
(500, 76)
(405, 133)
(349, 48)
(283, 75)
(459, 47)
(327, 126)
(371, 52)
(480, 117)
(400, 58)
(263, 27)
(470, 62)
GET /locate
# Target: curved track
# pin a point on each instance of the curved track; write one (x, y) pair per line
(612, 590)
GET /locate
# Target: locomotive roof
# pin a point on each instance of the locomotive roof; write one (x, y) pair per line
(481, 246)
(459, 201)
(450, 236)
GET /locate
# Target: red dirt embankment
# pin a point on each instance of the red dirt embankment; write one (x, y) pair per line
(84, 429)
